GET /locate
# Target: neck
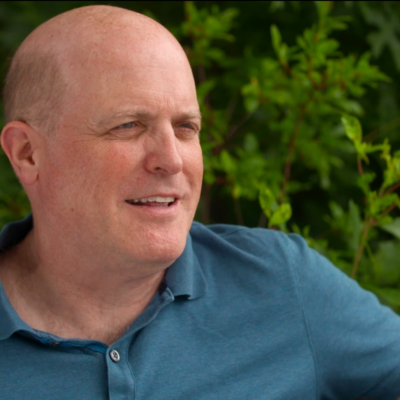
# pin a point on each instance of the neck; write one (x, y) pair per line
(72, 297)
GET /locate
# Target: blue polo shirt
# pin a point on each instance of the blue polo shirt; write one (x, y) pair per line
(242, 314)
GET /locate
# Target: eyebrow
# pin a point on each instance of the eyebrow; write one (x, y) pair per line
(140, 113)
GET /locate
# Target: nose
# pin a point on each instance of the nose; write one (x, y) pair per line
(163, 153)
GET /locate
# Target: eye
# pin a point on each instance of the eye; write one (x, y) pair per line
(128, 125)
(129, 130)
(187, 131)
(188, 125)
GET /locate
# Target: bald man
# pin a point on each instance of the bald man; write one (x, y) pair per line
(109, 290)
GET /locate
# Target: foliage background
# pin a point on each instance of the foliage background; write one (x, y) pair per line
(274, 145)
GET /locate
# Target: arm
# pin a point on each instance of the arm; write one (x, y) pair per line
(356, 341)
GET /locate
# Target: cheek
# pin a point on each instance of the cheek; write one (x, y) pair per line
(87, 171)
(194, 164)
(108, 164)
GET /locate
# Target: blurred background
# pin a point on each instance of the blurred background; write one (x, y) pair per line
(300, 102)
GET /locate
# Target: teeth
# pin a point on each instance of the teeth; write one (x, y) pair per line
(156, 199)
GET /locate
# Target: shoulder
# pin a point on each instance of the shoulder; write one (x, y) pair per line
(283, 262)
(251, 241)
(252, 253)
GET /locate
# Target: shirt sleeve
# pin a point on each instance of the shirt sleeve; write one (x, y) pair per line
(355, 340)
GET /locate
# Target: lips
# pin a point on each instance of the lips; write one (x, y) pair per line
(153, 201)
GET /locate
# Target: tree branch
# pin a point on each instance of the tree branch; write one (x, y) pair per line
(238, 211)
(206, 199)
(368, 224)
(234, 128)
(389, 209)
(359, 165)
(262, 222)
(391, 189)
(361, 247)
(231, 106)
(231, 132)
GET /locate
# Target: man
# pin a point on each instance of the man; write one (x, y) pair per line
(106, 294)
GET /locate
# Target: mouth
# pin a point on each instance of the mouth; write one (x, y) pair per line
(156, 201)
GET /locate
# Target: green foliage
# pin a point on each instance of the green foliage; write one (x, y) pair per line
(278, 214)
(393, 227)
(388, 24)
(204, 27)
(13, 201)
(304, 91)
(300, 128)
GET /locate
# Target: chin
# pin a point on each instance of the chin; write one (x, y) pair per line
(159, 249)
(164, 256)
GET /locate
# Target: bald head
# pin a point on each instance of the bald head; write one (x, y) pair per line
(58, 56)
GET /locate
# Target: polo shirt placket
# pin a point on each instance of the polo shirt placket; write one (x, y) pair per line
(121, 380)
(121, 384)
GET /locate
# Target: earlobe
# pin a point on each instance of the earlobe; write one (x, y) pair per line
(18, 142)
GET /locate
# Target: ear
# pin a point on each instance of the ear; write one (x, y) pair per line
(19, 142)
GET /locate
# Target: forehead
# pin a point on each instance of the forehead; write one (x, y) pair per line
(119, 74)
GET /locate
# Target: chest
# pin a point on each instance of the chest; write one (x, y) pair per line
(190, 360)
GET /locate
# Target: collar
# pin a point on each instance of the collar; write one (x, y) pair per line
(15, 232)
(11, 235)
(184, 277)
(10, 320)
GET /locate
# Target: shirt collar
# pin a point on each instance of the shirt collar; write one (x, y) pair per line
(11, 235)
(184, 277)
(15, 232)
(10, 320)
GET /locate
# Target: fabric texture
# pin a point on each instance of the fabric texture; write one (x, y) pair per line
(242, 314)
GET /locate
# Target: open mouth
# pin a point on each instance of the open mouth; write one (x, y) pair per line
(153, 201)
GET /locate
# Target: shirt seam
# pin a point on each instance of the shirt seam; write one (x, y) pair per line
(231, 233)
(299, 293)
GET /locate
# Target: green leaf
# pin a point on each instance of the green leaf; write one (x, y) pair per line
(351, 106)
(251, 104)
(392, 296)
(361, 148)
(389, 296)
(236, 191)
(352, 127)
(364, 181)
(267, 201)
(228, 163)
(276, 38)
(281, 215)
(215, 54)
(379, 204)
(355, 225)
(250, 144)
(387, 22)
(276, 5)
(393, 227)
(203, 89)
(336, 211)
(250, 93)
(323, 7)
(387, 263)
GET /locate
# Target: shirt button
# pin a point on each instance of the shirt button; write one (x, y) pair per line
(114, 355)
